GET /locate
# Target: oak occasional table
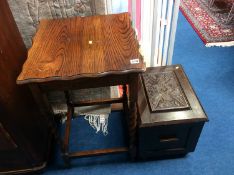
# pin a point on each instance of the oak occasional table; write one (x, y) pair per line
(85, 52)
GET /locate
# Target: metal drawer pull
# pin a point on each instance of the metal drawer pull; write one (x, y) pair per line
(168, 139)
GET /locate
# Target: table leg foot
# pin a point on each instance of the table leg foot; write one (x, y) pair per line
(67, 161)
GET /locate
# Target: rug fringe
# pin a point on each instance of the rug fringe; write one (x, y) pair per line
(99, 122)
(221, 44)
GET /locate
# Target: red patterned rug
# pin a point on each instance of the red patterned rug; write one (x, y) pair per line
(210, 23)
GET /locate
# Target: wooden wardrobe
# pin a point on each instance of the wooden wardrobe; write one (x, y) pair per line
(24, 133)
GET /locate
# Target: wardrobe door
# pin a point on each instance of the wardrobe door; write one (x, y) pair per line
(6, 141)
(11, 156)
(24, 133)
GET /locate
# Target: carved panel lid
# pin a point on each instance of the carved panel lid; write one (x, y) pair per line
(164, 91)
(166, 97)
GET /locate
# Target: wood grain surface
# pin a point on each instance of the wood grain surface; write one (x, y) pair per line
(66, 49)
(28, 13)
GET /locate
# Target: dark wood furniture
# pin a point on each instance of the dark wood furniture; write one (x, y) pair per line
(24, 133)
(170, 115)
(85, 52)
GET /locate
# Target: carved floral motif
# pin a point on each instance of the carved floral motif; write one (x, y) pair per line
(164, 91)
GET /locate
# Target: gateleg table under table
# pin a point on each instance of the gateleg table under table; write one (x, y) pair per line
(85, 52)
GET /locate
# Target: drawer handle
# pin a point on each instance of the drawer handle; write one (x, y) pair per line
(168, 139)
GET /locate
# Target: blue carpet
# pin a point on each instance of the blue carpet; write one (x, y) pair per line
(211, 72)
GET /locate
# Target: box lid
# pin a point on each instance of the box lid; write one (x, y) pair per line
(166, 97)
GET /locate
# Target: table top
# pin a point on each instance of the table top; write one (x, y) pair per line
(71, 48)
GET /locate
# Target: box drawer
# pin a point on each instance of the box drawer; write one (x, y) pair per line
(163, 137)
